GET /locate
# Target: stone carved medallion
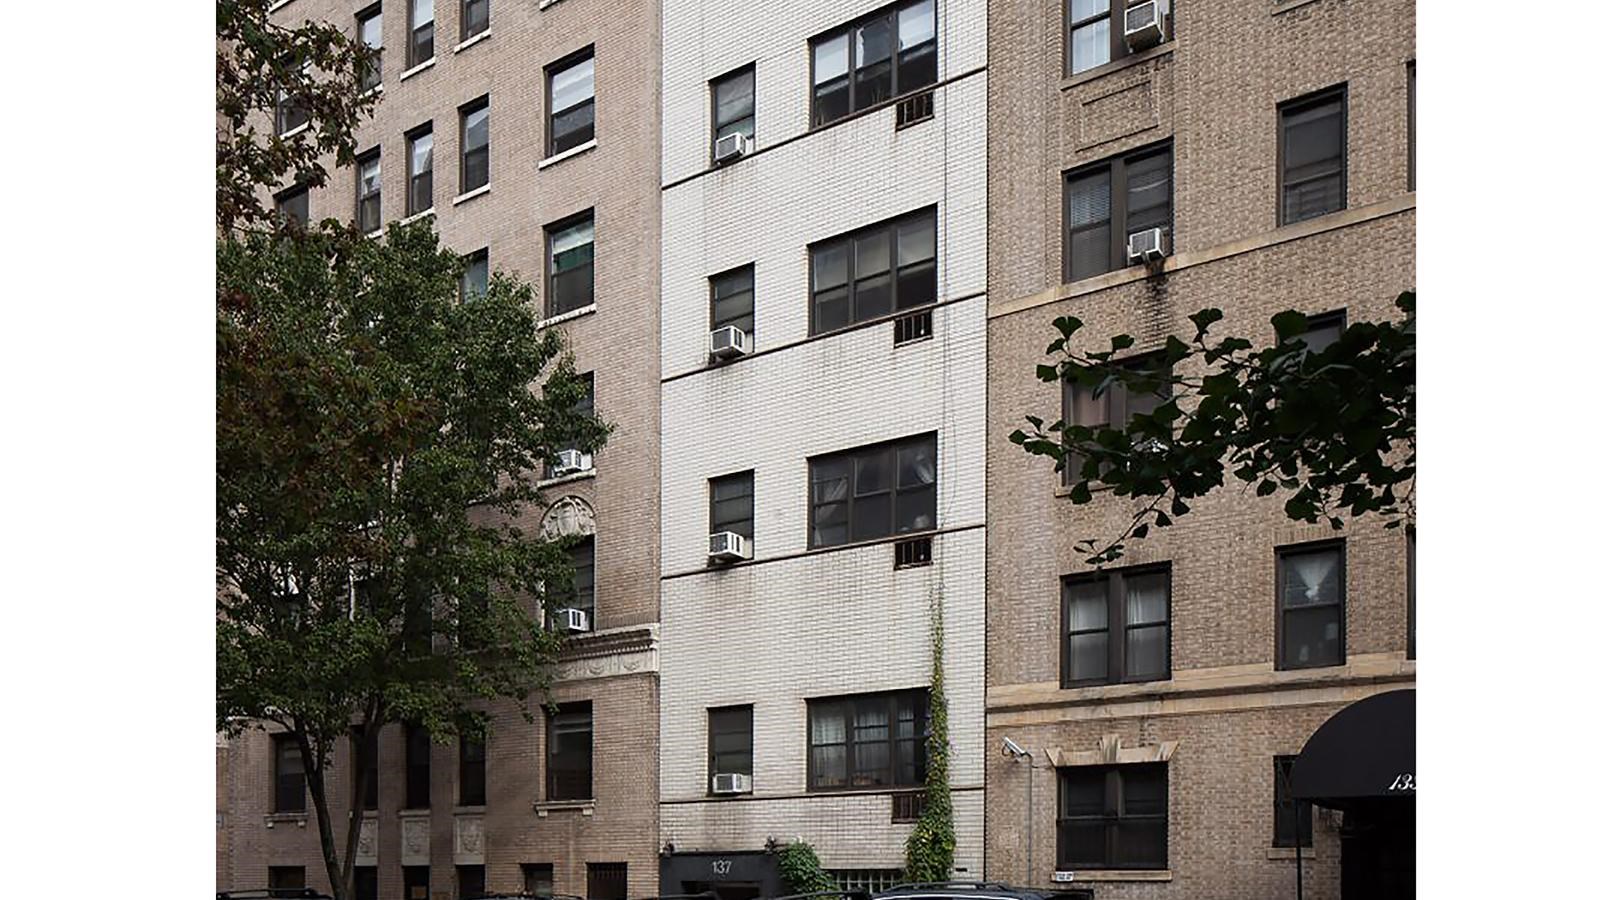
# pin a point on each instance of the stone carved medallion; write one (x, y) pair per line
(366, 845)
(468, 839)
(568, 516)
(413, 841)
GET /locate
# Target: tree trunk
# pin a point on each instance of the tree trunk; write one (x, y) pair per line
(360, 752)
(315, 772)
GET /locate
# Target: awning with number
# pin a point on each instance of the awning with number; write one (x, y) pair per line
(1366, 750)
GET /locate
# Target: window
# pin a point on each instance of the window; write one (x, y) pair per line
(733, 299)
(1108, 201)
(888, 54)
(416, 883)
(732, 740)
(584, 407)
(733, 505)
(420, 48)
(369, 193)
(418, 767)
(1310, 156)
(607, 881)
(571, 263)
(419, 171)
(538, 879)
(733, 105)
(869, 740)
(1410, 593)
(1310, 605)
(474, 17)
(369, 28)
(288, 775)
(875, 491)
(474, 145)
(290, 112)
(469, 882)
(1117, 627)
(1111, 817)
(472, 781)
(285, 878)
(874, 272)
(369, 796)
(366, 883)
(569, 766)
(294, 206)
(1115, 406)
(581, 594)
(571, 102)
(1094, 32)
(1286, 810)
(475, 278)
(1410, 125)
(1323, 331)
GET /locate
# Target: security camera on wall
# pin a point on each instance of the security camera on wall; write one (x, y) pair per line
(1012, 749)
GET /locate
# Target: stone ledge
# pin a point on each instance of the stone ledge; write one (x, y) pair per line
(543, 808)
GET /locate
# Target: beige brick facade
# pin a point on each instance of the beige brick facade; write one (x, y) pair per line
(1212, 90)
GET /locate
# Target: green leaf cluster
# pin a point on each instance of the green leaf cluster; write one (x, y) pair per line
(801, 871)
(930, 849)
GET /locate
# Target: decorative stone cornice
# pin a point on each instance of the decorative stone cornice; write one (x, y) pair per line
(604, 654)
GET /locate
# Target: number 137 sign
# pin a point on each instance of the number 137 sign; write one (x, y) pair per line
(1405, 781)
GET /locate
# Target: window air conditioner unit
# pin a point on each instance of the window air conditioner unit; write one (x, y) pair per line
(729, 342)
(729, 546)
(730, 783)
(731, 146)
(570, 462)
(1146, 246)
(1144, 26)
(572, 621)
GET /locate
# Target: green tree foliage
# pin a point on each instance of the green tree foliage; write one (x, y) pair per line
(317, 66)
(930, 850)
(1334, 430)
(377, 443)
(801, 871)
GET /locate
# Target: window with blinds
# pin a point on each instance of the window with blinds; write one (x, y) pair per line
(1311, 149)
(1109, 200)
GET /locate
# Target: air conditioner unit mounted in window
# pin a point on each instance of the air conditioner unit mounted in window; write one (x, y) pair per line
(1146, 246)
(572, 621)
(1144, 26)
(729, 342)
(729, 546)
(732, 146)
(571, 462)
(730, 783)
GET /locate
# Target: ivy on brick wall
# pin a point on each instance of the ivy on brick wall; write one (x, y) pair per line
(930, 850)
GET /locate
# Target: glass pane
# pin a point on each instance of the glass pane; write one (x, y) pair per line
(1141, 844)
(916, 464)
(829, 265)
(918, 54)
(421, 12)
(874, 42)
(1310, 578)
(827, 766)
(1090, 252)
(735, 98)
(1311, 637)
(570, 238)
(1312, 135)
(830, 59)
(871, 253)
(1146, 598)
(370, 177)
(1082, 845)
(873, 297)
(1086, 606)
(476, 129)
(1320, 337)
(1082, 9)
(1313, 198)
(1084, 408)
(422, 154)
(915, 510)
(917, 24)
(872, 470)
(571, 128)
(572, 85)
(1090, 46)
(1146, 652)
(1085, 791)
(1143, 790)
(1088, 657)
(1089, 199)
(871, 516)
(476, 15)
(832, 310)
(1149, 192)
(372, 31)
(917, 240)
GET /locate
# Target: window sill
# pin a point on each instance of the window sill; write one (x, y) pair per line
(1286, 5)
(568, 316)
(273, 819)
(416, 216)
(278, 5)
(419, 67)
(582, 148)
(565, 479)
(418, 813)
(1288, 853)
(546, 4)
(544, 807)
(374, 233)
(1126, 62)
(475, 192)
(477, 810)
(303, 126)
(1122, 875)
(374, 89)
(476, 38)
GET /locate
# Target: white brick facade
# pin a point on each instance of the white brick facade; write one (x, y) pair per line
(798, 625)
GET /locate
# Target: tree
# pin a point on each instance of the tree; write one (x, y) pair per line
(377, 444)
(1335, 429)
(312, 71)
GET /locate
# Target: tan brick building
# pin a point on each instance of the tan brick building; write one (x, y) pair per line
(1183, 135)
(560, 174)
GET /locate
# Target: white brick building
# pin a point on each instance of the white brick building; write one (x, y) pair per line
(806, 618)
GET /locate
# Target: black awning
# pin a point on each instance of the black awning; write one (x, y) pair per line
(1366, 750)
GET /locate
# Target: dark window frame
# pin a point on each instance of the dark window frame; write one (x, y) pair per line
(583, 407)
(550, 231)
(1340, 94)
(716, 123)
(287, 196)
(466, 6)
(1284, 806)
(413, 40)
(1116, 628)
(851, 282)
(471, 882)
(555, 764)
(1117, 14)
(472, 259)
(920, 701)
(747, 712)
(288, 788)
(533, 874)
(1118, 412)
(418, 767)
(413, 177)
(375, 155)
(719, 320)
(609, 875)
(464, 154)
(366, 883)
(1410, 125)
(558, 67)
(1116, 167)
(285, 878)
(412, 877)
(371, 76)
(1113, 817)
(893, 490)
(472, 771)
(733, 480)
(1308, 547)
(850, 30)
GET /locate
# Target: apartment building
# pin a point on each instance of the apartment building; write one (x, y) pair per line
(1159, 703)
(823, 281)
(529, 133)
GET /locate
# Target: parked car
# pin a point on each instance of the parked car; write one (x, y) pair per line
(979, 890)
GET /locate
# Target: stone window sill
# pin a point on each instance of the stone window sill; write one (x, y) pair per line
(422, 813)
(1123, 875)
(545, 807)
(475, 192)
(419, 67)
(1288, 853)
(568, 316)
(1125, 62)
(565, 479)
(415, 216)
(471, 810)
(476, 38)
(273, 819)
(582, 148)
(1286, 5)
(303, 126)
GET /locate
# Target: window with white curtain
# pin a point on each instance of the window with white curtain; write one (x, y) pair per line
(1116, 626)
(869, 740)
(874, 492)
(1310, 605)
